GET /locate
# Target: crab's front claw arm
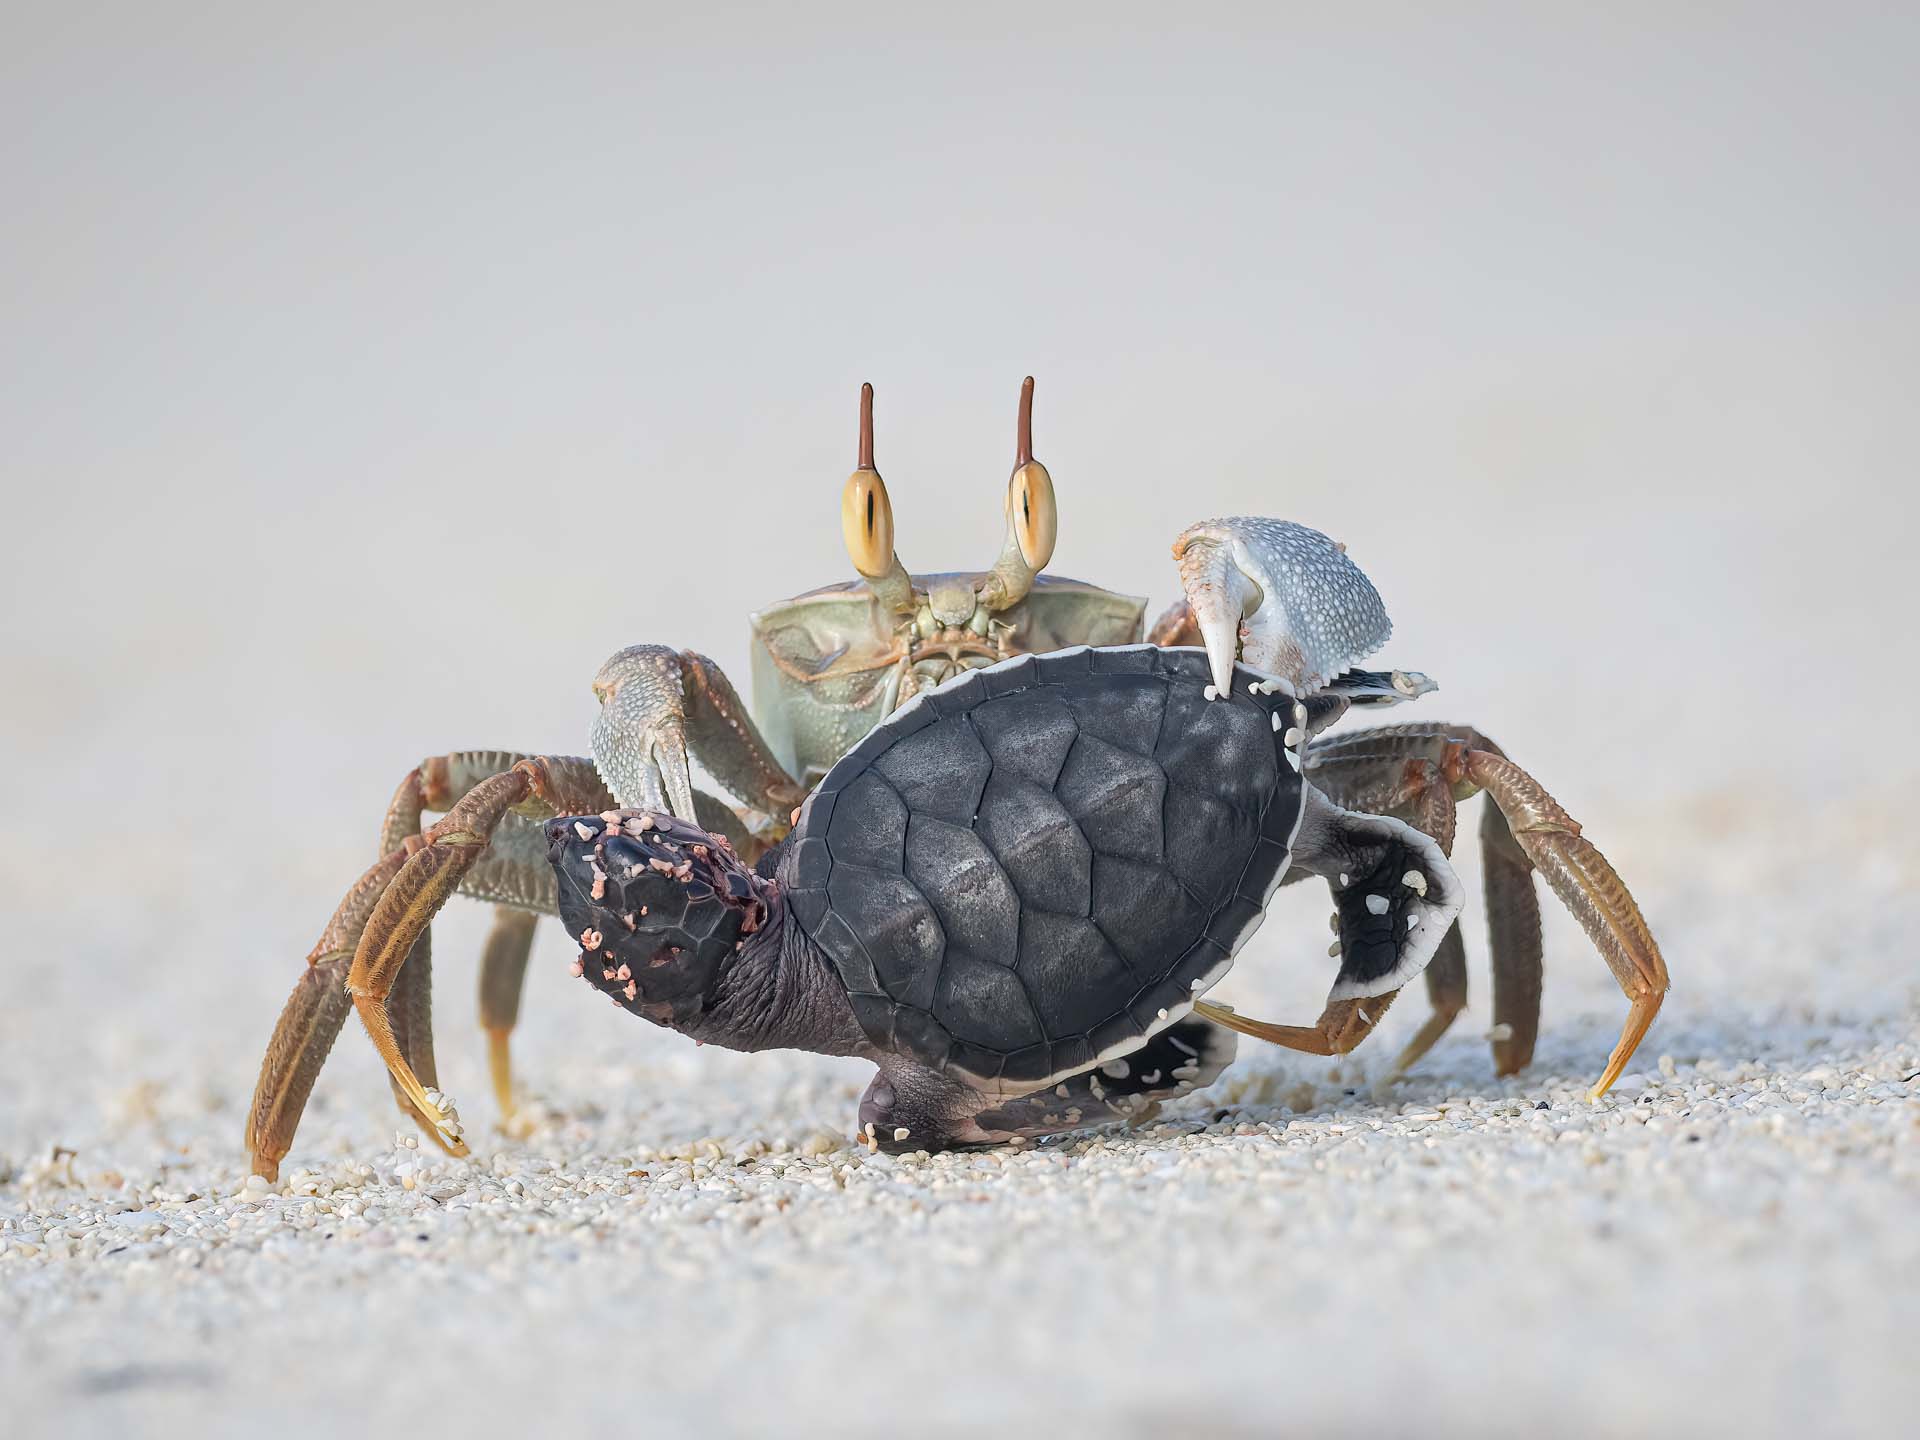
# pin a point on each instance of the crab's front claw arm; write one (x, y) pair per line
(659, 705)
(1280, 598)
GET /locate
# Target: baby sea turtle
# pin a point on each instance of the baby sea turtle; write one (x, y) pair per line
(1011, 895)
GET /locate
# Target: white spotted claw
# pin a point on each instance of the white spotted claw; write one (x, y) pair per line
(1280, 597)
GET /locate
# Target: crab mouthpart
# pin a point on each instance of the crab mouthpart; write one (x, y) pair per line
(1221, 597)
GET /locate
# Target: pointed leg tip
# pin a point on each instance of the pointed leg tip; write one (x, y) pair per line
(500, 1070)
(451, 1144)
(267, 1169)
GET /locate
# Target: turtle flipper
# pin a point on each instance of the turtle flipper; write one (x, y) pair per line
(908, 1107)
(1317, 710)
(1182, 1058)
(1394, 892)
(1380, 687)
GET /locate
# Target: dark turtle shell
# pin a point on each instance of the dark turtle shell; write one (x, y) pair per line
(1033, 868)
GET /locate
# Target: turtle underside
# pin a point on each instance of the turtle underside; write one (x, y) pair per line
(1038, 865)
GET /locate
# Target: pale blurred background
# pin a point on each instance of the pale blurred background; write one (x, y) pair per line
(367, 377)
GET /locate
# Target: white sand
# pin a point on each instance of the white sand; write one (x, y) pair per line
(1728, 1245)
(367, 379)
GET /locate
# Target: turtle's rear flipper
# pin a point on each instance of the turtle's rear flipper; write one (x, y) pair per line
(1380, 687)
(1359, 687)
(1395, 894)
(1183, 1057)
(908, 1107)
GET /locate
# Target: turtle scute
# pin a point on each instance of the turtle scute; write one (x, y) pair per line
(1040, 864)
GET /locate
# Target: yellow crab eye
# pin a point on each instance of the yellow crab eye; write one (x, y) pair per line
(866, 520)
(1030, 507)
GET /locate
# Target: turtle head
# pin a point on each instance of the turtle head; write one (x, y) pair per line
(660, 909)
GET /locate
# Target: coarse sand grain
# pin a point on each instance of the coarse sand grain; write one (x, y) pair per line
(688, 1241)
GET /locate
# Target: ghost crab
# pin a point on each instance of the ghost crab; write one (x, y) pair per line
(1278, 600)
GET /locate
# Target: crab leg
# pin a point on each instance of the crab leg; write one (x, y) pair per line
(503, 968)
(428, 877)
(1587, 885)
(423, 884)
(320, 1000)
(1341, 1026)
(411, 1005)
(1418, 773)
(310, 1023)
(512, 872)
(1524, 829)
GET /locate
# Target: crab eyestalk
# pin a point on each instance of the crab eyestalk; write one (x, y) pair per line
(1033, 522)
(1222, 597)
(866, 520)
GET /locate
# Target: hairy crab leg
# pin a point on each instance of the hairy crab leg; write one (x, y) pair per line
(310, 1023)
(1418, 773)
(1524, 829)
(1588, 886)
(429, 876)
(410, 1007)
(1341, 1026)
(311, 1019)
(1405, 770)
(1513, 938)
(503, 969)
(1175, 626)
(410, 1012)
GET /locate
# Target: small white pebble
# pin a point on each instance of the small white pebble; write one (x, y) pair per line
(582, 830)
(1293, 737)
(1378, 905)
(901, 1133)
(1415, 882)
(1413, 918)
(1333, 950)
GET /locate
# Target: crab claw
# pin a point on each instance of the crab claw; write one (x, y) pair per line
(1282, 598)
(639, 736)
